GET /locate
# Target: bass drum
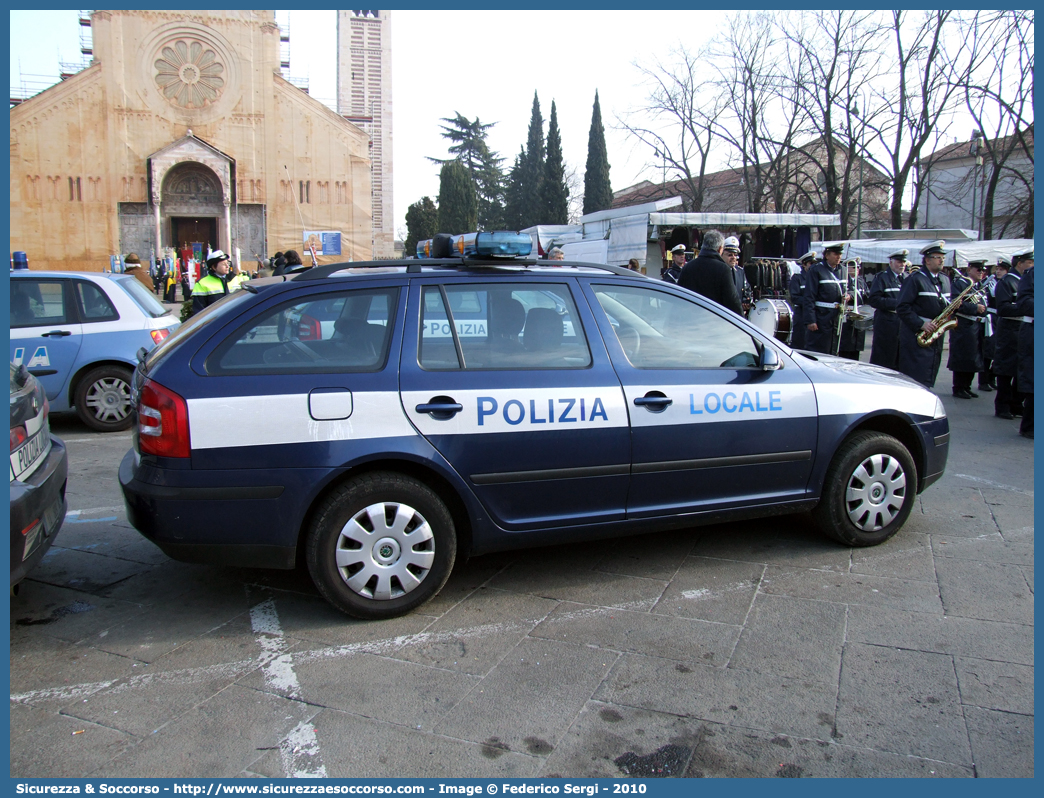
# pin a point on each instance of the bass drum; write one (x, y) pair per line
(772, 317)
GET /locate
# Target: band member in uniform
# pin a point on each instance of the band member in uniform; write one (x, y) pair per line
(965, 359)
(732, 257)
(824, 291)
(1008, 401)
(673, 270)
(853, 341)
(924, 296)
(798, 284)
(987, 379)
(884, 296)
(1024, 307)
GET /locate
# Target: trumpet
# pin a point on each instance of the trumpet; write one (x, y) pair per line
(852, 316)
(945, 320)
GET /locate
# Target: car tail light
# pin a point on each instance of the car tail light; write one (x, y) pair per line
(18, 437)
(308, 329)
(163, 428)
(159, 335)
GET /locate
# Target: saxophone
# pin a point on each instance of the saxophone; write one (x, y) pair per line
(945, 320)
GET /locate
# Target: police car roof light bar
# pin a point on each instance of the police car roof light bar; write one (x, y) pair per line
(494, 244)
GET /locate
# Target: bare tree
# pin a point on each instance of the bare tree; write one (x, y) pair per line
(678, 122)
(999, 95)
(834, 82)
(760, 118)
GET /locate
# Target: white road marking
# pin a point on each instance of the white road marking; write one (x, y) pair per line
(78, 513)
(299, 750)
(997, 485)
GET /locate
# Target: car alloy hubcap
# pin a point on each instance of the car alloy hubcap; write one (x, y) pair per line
(385, 551)
(109, 400)
(876, 491)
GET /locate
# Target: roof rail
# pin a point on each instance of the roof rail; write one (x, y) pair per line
(414, 266)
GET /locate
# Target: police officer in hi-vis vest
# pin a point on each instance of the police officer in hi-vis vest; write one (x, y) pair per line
(217, 283)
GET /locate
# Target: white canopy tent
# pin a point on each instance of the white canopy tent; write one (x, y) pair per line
(959, 252)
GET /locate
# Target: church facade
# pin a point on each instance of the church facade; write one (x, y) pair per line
(182, 130)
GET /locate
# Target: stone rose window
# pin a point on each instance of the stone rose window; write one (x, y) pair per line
(189, 74)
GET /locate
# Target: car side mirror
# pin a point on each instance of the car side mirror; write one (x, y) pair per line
(769, 360)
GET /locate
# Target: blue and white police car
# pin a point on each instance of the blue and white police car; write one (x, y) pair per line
(78, 333)
(478, 401)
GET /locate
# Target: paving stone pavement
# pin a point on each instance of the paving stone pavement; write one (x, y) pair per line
(750, 649)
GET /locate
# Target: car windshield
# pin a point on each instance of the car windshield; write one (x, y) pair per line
(201, 319)
(141, 295)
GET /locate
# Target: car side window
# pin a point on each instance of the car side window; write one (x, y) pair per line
(346, 331)
(93, 303)
(38, 302)
(501, 326)
(658, 330)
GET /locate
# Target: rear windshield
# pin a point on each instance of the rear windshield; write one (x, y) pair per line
(207, 316)
(141, 295)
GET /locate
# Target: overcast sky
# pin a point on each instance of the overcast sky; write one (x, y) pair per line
(480, 63)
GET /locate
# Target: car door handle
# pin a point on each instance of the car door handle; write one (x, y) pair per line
(441, 407)
(653, 401)
(59, 333)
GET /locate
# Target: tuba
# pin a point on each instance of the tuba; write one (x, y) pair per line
(945, 320)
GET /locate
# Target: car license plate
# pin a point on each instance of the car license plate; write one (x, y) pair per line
(52, 515)
(32, 538)
(27, 456)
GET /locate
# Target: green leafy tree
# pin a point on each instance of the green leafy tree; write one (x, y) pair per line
(469, 146)
(555, 192)
(458, 204)
(533, 169)
(598, 192)
(422, 222)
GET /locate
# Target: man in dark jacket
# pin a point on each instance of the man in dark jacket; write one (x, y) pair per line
(924, 296)
(884, 296)
(965, 359)
(710, 276)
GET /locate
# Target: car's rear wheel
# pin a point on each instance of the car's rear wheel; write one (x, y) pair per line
(381, 545)
(869, 491)
(103, 398)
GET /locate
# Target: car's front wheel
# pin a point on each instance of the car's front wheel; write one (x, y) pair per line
(869, 491)
(381, 545)
(103, 398)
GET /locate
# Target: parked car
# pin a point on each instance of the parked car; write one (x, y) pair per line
(39, 468)
(78, 334)
(563, 403)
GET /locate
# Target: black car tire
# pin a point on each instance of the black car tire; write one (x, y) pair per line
(103, 398)
(869, 491)
(381, 545)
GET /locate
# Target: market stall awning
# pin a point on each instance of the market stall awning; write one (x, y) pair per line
(734, 220)
(961, 250)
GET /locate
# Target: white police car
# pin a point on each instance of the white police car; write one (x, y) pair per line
(463, 405)
(78, 334)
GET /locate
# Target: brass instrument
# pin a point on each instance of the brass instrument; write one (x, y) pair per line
(858, 320)
(945, 320)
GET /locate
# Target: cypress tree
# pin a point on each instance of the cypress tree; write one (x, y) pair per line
(533, 169)
(469, 146)
(598, 193)
(555, 191)
(513, 194)
(422, 221)
(458, 205)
